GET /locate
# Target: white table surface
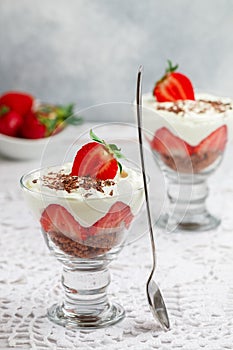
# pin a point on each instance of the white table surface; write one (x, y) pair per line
(194, 273)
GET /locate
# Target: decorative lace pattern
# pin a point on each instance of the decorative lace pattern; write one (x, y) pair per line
(194, 272)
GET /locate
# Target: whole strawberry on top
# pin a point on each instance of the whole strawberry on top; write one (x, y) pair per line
(173, 86)
(97, 159)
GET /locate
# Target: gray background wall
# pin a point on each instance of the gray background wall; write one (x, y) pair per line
(88, 51)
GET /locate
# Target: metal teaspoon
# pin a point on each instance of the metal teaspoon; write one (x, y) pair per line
(154, 295)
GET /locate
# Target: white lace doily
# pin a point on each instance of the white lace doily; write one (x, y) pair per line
(194, 273)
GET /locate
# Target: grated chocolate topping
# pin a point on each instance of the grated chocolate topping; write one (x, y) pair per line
(200, 106)
(68, 183)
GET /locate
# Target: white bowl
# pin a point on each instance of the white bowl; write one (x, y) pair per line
(24, 149)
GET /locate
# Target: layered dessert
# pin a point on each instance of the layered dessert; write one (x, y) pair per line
(187, 130)
(85, 208)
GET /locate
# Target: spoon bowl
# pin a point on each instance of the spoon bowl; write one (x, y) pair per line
(157, 305)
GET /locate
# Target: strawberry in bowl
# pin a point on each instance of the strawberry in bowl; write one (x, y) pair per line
(26, 125)
(188, 133)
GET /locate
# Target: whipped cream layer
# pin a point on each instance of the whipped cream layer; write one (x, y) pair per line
(86, 199)
(190, 120)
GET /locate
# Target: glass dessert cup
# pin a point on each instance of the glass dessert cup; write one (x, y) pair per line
(187, 173)
(85, 251)
(188, 140)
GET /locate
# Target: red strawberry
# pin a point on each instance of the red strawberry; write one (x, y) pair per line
(56, 218)
(173, 86)
(32, 128)
(167, 144)
(119, 213)
(97, 160)
(215, 142)
(10, 122)
(17, 101)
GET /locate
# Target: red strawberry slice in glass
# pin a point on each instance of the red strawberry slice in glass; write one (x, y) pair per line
(17, 101)
(119, 213)
(55, 218)
(215, 142)
(173, 86)
(167, 144)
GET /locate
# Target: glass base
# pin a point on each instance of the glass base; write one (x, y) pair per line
(200, 223)
(113, 314)
(186, 206)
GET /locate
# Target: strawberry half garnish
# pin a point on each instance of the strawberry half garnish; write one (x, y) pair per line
(97, 159)
(173, 86)
(17, 101)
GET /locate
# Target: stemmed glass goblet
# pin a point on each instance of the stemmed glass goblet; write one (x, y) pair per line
(85, 233)
(186, 167)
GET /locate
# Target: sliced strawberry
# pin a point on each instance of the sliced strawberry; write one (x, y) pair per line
(97, 159)
(46, 221)
(56, 218)
(118, 214)
(17, 101)
(215, 142)
(173, 86)
(167, 144)
(94, 160)
(10, 122)
(32, 128)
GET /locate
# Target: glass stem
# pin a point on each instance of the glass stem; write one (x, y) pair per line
(187, 198)
(85, 291)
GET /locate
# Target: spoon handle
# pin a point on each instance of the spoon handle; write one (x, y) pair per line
(154, 295)
(139, 121)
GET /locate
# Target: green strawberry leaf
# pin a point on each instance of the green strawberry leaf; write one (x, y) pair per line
(65, 112)
(94, 137)
(50, 124)
(113, 147)
(171, 68)
(74, 120)
(52, 116)
(168, 70)
(119, 154)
